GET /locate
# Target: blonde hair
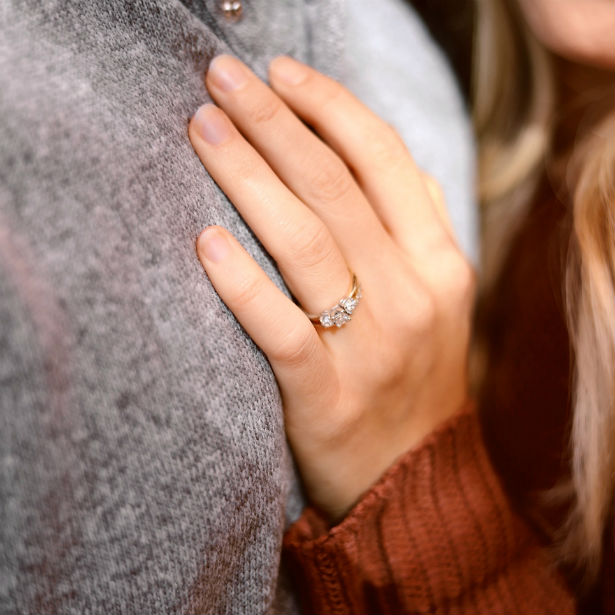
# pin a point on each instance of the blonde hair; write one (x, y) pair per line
(513, 112)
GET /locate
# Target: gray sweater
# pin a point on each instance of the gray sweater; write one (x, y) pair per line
(143, 464)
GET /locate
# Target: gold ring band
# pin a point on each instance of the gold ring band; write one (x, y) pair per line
(341, 312)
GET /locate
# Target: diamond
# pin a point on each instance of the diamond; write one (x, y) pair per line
(339, 316)
(349, 304)
(326, 320)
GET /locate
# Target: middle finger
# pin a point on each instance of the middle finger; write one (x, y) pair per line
(315, 173)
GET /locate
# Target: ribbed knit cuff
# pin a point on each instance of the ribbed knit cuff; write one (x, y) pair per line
(429, 536)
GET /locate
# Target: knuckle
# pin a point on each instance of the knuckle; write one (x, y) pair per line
(467, 280)
(438, 198)
(296, 347)
(434, 187)
(389, 358)
(247, 292)
(312, 245)
(417, 330)
(389, 151)
(247, 167)
(413, 306)
(459, 279)
(332, 91)
(424, 313)
(331, 182)
(263, 109)
(419, 316)
(392, 365)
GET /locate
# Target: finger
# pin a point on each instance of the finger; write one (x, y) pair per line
(273, 321)
(306, 253)
(303, 162)
(437, 197)
(378, 157)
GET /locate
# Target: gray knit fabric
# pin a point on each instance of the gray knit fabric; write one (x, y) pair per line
(409, 84)
(143, 462)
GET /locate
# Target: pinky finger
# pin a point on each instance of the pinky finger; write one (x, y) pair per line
(273, 321)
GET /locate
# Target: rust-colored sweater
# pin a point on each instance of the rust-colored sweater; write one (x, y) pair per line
(435, 535)
(442, 531)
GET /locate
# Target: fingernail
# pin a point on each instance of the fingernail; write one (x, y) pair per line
(211, 124)
(227, 73)
(213, 245)
(288, 70)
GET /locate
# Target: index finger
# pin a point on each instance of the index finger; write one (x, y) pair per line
(375, 153)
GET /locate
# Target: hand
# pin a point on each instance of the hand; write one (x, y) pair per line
(357, 397)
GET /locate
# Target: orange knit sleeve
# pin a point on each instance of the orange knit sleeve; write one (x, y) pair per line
(436, 534)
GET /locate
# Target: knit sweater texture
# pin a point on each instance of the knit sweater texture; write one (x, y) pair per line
(437, 534)
(143, 462)
(462, 524)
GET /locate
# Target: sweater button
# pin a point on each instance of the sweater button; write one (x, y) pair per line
(231, 9)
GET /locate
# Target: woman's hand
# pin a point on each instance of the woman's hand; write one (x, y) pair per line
(357, 397)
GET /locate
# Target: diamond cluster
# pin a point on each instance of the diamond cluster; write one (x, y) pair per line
(341, 313)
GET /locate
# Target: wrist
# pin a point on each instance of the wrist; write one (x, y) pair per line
(339, 471)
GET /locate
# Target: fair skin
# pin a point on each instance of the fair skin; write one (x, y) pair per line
(355, 398)
(350, 197)
(578, 30)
